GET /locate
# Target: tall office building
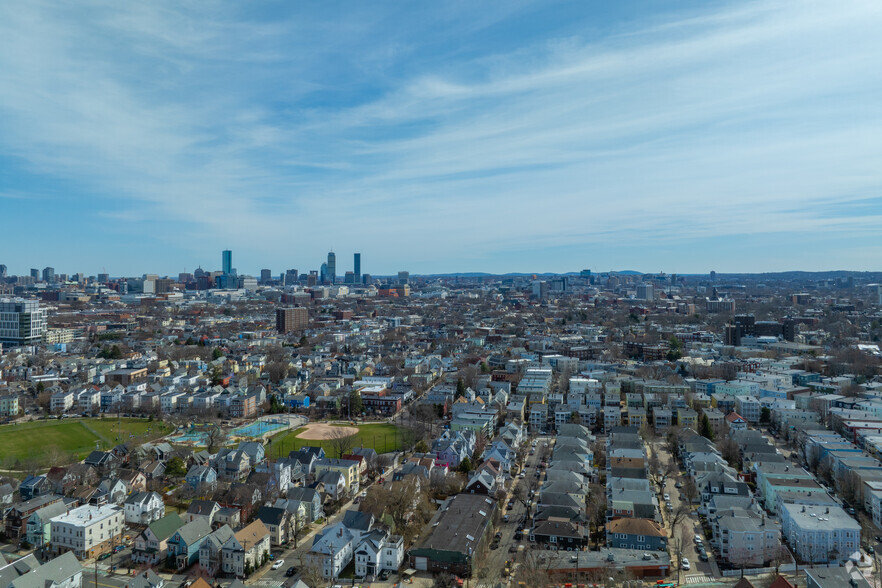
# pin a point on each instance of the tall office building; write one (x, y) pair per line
(22, 322)
(266, 276)
(2, 271)
(645, 291)
(227, 260)
(291, 319)
(403, 278)
(332, 268)
(35, 273)
(356, 269)
(103, 278)
(49, 274)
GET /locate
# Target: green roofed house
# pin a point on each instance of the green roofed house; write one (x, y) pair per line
(150, 546)
(460, 530)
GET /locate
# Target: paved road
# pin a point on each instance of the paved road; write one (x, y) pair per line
(687, 528)
(495, 562)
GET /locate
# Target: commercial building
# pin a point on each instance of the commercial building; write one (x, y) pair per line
(291, 319)
(331, 275)
(22, 322)
(460, 529)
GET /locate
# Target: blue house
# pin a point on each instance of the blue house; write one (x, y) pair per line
(199, 475)
(183, 546)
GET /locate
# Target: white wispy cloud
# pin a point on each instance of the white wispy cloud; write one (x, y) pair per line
(291, 131)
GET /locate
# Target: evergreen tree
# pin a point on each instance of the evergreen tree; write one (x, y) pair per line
(705, 429)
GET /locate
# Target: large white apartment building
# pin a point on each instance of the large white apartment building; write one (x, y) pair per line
(87, 531)
(820, 534)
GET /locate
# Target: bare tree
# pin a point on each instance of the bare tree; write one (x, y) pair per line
(690, 490)
(341, 441)
(214, 436)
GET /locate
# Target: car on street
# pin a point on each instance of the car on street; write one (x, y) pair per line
(678, 485)
(506, 518)
(878, 538)
(870, 549)
(522, 475)
(667, 497)
(278, 563)
(698, 539)
(513, 549)
(510, 506)
(118, 548)
(384, 575)
(684, 563)
(702, 556)
(291, 571)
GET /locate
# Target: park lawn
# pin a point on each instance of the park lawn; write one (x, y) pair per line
(380, 437)
(36, 440)
(135, 430)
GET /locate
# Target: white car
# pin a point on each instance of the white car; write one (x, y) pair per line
(278, 563)
(698, 539)
(667, 497)
(522, 475)
(684, 563)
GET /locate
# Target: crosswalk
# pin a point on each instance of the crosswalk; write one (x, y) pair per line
(699, 579)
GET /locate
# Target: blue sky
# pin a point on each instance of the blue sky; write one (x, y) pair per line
(441, 137)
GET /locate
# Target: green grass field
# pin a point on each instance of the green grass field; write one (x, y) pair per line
(382, 438)
(50, 440)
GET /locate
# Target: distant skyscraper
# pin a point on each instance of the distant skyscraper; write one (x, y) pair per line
(404, 278)
(713, 276)
(227, 266)
(349, 278)
(645, 292)
(49, 274)
(323, 273)
(35, 273)
(332, 268)
(103, 278)
(265, 276)
(356, 269)
(2, 271)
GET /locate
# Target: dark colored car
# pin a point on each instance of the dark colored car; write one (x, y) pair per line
(291, 571)
(384, 575)
(103, 556)
(118, 548)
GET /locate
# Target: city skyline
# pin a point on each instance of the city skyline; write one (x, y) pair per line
(734, 136)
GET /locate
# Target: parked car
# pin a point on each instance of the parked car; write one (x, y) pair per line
(698, 539)
(667, 497)
(684, 563)
(678, 485)
(870, 550)
(278, 563)
(703, 556)
(291, 571)
(384, 575)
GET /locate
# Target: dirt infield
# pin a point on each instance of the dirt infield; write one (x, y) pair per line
(324, 431)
